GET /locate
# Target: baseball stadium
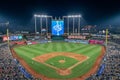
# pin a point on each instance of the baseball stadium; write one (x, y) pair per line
(52, 47)
(60, 54)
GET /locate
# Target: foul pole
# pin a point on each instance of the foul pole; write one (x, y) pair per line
(106, 40)
(8, 38)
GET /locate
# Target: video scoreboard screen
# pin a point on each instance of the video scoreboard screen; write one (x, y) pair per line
(57, 27)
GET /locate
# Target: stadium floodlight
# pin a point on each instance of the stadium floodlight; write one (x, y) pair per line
(73, 17)
(35, 15)
(41, 16)
(79, 15)
(76, 16)
(69, 16)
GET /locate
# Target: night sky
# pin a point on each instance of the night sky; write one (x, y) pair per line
(93, 11)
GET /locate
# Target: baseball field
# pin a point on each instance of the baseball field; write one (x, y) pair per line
(59, 60)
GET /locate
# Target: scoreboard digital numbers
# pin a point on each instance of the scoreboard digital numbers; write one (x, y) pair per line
(57, 27)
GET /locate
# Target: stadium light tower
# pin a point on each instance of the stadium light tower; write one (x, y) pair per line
(41, 16)
(35, 23)
(73, 17)
(79, 17)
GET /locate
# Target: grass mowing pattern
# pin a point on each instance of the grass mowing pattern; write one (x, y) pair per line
(30, 51)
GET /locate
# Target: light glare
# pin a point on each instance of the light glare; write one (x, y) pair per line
(71, 16)
(40, 15)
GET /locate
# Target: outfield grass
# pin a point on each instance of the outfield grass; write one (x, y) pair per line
(30, 51)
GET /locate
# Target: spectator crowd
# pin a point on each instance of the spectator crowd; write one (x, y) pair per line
(112, 64)
(116, 40)
(9, 70)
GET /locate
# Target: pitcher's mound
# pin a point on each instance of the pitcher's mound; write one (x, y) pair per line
(61, 61)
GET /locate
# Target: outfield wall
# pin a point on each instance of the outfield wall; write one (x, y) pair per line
(77, 41)
(96, 42)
